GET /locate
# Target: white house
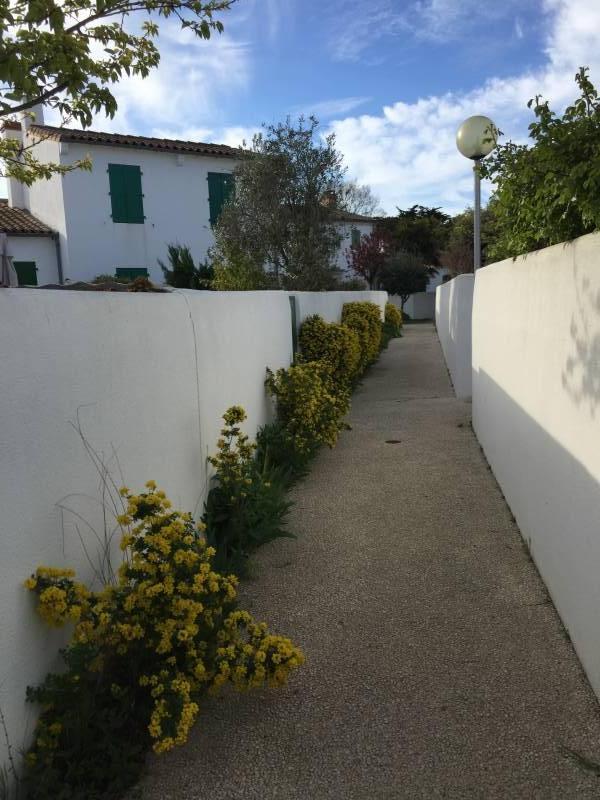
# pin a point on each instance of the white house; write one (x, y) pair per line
(351, 227)
(142, 194)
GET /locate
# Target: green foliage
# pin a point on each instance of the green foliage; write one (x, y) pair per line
(67, 54)
(309, 405)
(337, 346)
(275, 449)
(365, 319)
(247, 506)
(183, 272)
(235, 271)
(392, 324)
(548, 192)
(142, 655)
(420, 231)
(277, 216)
(404, 275)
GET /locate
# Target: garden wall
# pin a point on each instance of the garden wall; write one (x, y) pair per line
(536, 412)
(453, 306)
(146, 378)
(329, 304)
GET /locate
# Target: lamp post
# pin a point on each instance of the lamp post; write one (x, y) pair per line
(475, 139)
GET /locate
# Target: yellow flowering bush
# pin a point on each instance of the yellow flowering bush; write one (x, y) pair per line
(365, 319)
(310, 406)
(142, 654)
(334, 345)
(393, 318)
(247, 505)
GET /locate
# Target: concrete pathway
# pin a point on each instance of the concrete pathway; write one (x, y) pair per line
(436, 665)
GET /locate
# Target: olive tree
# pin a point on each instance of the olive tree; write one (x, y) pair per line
(281, 215)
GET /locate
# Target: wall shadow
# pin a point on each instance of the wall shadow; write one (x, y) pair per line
(556, 502)
(581, 374)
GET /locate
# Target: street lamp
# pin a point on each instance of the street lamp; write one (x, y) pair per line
(475, 139)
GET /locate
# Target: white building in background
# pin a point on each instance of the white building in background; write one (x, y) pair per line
(141, 195)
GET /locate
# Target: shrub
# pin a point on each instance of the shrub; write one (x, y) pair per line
(247, 507)
(235, 271)
(142, 654)
(365, 319)
(275, 450)
(184, 274)
(392, 324)
(309, 406)
(393, 318)
(332, 344)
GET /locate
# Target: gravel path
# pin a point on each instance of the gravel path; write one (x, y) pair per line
(436, 664)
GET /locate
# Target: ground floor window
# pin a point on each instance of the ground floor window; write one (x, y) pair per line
(131, 272)
(26, 272)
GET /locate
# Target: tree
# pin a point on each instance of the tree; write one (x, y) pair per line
(67, 53)
(183, 272)
(405, 274)
(548, 192)
(368, 258)
(358, 199)
(458, 253)
(277, 217)
(421, 231)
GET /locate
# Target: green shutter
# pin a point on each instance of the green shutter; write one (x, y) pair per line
(355, 237)
(127, 204)
(131, 272)
(220, 187)
(26, 272)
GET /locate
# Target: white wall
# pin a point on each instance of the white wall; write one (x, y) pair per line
(420, 305)
(176, 208)
(536, 412)
(453, 308)
(148, 376)
(41, 249)
(329, 304)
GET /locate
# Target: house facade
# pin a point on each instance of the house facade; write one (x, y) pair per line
(141, 195)
(117, 219)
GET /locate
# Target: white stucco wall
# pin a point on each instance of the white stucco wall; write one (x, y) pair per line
(420, 305)
(536, 412)
(40, 249)
(453, 310)
(149, 377)
(176, 208)
(329, 304)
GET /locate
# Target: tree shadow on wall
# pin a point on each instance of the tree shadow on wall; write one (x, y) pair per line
(581, 374)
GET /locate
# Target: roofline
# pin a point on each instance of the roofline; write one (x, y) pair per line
(133, 141)
(52, 234)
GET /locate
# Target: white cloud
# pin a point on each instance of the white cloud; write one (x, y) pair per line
(356, 26)
(326, 109)
(408, 153)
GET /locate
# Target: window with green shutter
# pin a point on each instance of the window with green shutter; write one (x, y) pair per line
(126, 198)
(26, 272)
(355, 237)
(220, 187)
(131, 272)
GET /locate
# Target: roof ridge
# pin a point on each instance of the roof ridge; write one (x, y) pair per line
(91, 136)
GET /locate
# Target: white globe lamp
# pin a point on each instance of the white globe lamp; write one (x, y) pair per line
(475, 139)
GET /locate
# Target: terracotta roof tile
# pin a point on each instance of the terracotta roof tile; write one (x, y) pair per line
(17, 222)
(138, 142)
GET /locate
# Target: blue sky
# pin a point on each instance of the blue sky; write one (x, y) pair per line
(391, 78)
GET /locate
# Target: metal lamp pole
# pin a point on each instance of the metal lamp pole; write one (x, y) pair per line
(477, 216)
(475, 139)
